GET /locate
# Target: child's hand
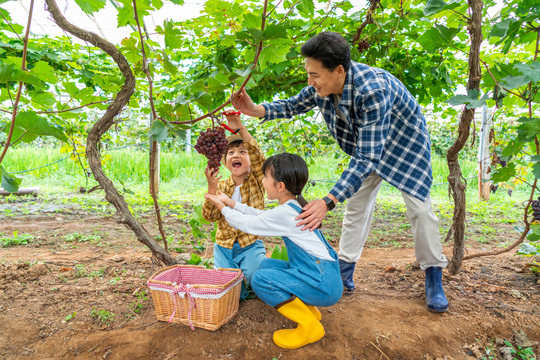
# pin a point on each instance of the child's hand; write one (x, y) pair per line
(212, 176)
(220, 200)
(234, 122)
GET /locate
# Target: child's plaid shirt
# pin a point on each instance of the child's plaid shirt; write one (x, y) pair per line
(252, 192)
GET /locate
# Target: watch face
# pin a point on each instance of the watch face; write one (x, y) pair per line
(329, 203)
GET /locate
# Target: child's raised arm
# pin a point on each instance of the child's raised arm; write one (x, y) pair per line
(212, 177)
(235, 122)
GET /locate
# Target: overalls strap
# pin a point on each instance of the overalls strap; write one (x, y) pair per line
(318, 232)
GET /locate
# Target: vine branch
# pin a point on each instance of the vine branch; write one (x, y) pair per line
(369, 19)
(19, 91)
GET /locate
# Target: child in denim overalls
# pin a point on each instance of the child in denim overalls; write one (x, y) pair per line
(311, 277)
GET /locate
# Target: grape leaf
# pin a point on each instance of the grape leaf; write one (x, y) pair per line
(435, 6)
(504, 174)
(536, 170)
(10, 183)
(5, 72)
(306, 8)
(28, 126)
(438, 37)
(528, 128)
(527, 249)
(159, 131)
(43, 98)
(91, 6)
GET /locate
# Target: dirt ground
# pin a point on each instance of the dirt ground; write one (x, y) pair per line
(77, 290)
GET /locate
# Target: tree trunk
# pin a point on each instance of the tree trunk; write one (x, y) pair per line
(456, 186)
(102, 125)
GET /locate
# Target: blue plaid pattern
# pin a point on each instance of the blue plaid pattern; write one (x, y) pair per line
(384, 130)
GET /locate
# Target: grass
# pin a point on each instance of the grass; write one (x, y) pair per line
(182, 179)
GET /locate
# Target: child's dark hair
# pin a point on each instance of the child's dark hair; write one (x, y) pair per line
(290, 169)
(330, 48)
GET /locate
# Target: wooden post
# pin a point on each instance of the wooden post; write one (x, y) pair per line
(484, 158)
(154, 166)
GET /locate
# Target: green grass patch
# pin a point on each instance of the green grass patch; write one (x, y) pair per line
(15, 240)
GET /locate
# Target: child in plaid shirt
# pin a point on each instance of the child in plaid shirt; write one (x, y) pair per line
(244, 159)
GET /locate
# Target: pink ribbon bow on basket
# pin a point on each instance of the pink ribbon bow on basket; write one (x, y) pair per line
(187, 290)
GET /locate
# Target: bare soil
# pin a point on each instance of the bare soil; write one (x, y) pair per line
(84, 296)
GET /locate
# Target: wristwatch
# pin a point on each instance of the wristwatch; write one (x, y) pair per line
(329, 203)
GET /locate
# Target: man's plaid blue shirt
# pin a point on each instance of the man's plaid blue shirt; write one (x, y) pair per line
(385, 131)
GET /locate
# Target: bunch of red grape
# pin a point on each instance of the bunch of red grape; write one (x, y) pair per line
(363, 45)
(212, 144)
(535, 204)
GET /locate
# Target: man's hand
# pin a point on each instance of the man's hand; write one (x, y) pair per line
(242, 102)
(212, 178)
(313, 215)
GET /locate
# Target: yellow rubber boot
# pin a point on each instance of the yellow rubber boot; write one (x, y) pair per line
(315, 311)
(309, 328)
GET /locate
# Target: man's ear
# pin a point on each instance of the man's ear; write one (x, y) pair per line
(340, 70)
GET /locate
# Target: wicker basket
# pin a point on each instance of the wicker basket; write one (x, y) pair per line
(196, 296)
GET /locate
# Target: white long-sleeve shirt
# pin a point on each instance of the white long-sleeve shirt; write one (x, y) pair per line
(279, 221)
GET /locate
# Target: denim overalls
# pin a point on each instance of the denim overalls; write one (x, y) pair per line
(314, 281)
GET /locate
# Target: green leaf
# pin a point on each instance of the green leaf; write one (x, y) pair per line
(306, 8)
(168, 65)
(256, 35)
(159, 131)
(531, 71)
(28, 126)
(43, 98)
(203, 99)
(274, 53)
(527, 249)
(91, 6)
(533, 236)
(240, 73)
(504, 174)
(536, 170)
(528, 128)
(512, 82)
(438, 37)
(458, 100)
(5, 72)
(70, 88)
(181, 100)
(500, 28)
(173, 36)
(435, 6)
(275, 32)
(512, 148)
(10, 183)
(471, 100)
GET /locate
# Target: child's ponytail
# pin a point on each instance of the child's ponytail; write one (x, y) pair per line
(303, 202)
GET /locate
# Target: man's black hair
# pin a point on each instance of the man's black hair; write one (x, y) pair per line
(330, 48)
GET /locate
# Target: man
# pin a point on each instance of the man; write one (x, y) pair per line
(376, 121)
